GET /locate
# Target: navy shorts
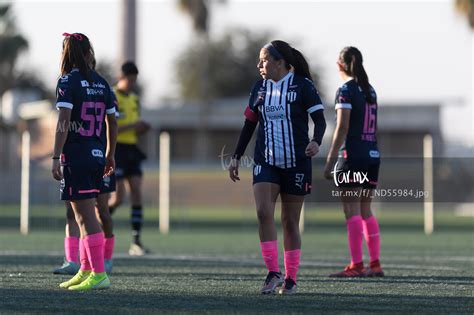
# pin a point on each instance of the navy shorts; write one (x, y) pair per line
(353, 173)
(81, 182)
(293, 181)
(128, 159)
(107, 184)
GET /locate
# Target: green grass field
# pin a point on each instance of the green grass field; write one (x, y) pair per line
(210, 263)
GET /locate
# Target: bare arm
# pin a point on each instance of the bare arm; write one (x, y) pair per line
(112, 130)
(60, 136)
(340, 133)
(244, 139)
(62, 129)
(319, 128)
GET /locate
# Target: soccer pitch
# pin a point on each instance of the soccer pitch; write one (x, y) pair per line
(211, 264)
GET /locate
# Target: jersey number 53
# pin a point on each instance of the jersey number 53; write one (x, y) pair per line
(97, 116)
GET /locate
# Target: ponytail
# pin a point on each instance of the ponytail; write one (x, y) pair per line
(292, 57)
(77, 53)
(351, 59)
(300, 64)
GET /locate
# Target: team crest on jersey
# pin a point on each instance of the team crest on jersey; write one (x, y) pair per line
(84, 83)
(61, 91)
(291, 96)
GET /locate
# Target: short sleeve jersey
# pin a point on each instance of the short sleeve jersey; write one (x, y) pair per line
(282, 110)
(361, 140)
(89, 102)
(129, 113)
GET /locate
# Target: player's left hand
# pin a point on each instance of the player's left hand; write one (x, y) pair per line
(312, 149)
(109, 166)
(56, 170)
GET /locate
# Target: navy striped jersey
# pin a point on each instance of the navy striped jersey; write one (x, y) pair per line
(89, 102)
(361, 140)
(282, 110)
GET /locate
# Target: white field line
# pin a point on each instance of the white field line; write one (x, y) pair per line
(247, 260)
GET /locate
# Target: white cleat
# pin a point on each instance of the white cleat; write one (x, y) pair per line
(273, 281)
(288, 288)
(138, 250)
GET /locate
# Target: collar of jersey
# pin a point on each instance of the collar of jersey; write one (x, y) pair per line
(349, 79)
(286, 77)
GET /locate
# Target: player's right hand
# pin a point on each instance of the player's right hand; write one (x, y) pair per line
(109, 166)
(234, 170)
(56, 170)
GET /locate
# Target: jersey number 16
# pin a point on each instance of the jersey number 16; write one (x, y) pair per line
(370, 118)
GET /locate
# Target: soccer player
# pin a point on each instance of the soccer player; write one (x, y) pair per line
(280, 104)
(354, 149)
(81, 156)
(128, 155)
(72, 241)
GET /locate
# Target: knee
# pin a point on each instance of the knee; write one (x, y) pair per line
(290, 225)
(264, 214)
(106, 220)
(104, 215)
(135, 195)
(79, 219)
(70, 216)
(117, 201)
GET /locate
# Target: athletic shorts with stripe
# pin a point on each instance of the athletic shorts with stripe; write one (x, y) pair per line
(81, 182)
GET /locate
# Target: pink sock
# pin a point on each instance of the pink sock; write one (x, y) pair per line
(109, 248)
(292, 262)
(372, 237)
(94, 244)
(71, 248)
(354, 234)
(85, 265)
(270, 255)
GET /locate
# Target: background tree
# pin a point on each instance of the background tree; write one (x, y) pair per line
(232, 69)
(197, 10)
(12, 45)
